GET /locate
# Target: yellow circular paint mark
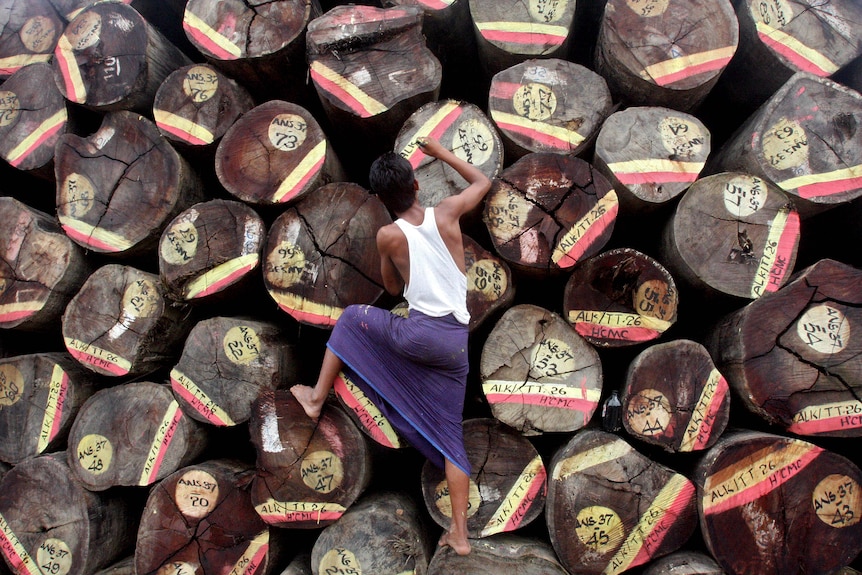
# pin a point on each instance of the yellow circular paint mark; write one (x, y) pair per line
(506, 214)
(84, 31)
(322, 471)
(54, 557)
(648, 412)
(824, 329)
(285, 265)
(196, 493)
(535, 101)
(599, 528)
(177, 568)
(95, 453)
(473, 142)
(10, 108)
(38, 34)
(80, 194)
(655, 298)
(241, 345)
(774, 13)
(200, 83)
(785, 145)
(339, 561)
(444, 504)
(648, 8)
(836, 501)
(140, 299)
(488, 278)
(547, 11)
(11, 385)
(287, 132)
(744, 195)
(682, 138)
(551, 358)
(180, 242)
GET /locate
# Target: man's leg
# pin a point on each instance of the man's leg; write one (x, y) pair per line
(313, 398)
(459, 492)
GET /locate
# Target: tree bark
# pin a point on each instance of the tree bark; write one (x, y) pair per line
(371, 69)
(117, 188)
(200, 520)
(548, 105)
(665, 53)
(620, 297)
(685, 563)
(538, 375)
(40, 268)
(49, 523)
(321, 255)
(771, 504)
(779, 39)
(260, 44)
(196, 104)
(40, 395)
(226, 363)
(120, 323)
(651, 155)
(732, 235)
(793, 358)
(209, 251)
(28, 35)
(510, 32)
(675, 398)
(33, 115)
(610, 509)
(308, 473)
(132, 434)
(276, 153)
(381, 520)
(546, 212)
(110, 58)
(501, 554)
(805, 139)
(508, 481)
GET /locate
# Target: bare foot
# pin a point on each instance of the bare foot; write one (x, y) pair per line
(304, 394)
(459, 544)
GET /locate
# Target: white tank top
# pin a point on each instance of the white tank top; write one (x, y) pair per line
(437, 287)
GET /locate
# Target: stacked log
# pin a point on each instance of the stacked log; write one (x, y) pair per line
(29, 34)
(497, 554)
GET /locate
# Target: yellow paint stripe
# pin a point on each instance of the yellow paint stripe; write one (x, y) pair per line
(218, 39)
(13, 550)
(534, 471)
(66, 53)
(584, 227)
(54, 406)
(301, 170)
(246, 564)
(604, 453)
(833, 176)
(570, 136)
(200, 401)
(656, 165)
(307, 311)
(702, 408)
(523, 27)
(372, 106)
(794, 44)
(619, 319)
(48, 124)
(161, 442)
(103, 237)
(425, 129)
(377, 418)
(219, 273)
(20, 60)
(667, 67)
(17, 307)
(184, 125)
(539, 388)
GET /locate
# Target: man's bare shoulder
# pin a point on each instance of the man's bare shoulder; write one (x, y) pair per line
(389, 236)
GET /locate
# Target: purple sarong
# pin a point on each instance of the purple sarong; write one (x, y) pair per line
(414, 370)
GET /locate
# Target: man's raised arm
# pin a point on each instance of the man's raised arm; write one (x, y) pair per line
(478, 182)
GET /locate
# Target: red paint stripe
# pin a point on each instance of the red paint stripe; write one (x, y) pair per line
(435, 4)
(194, 402)
(41, 140)
(617, 334)
(60, 57)
(312, 318)
(61, 400)
(229, 279)
(579, 404)
(504, 90)
(305, 179)
(785, 248)
(16, 315)
(654, 537)
(97, 362)
(795, 58)
(535, 135)
(301, 516)
(436, 133)
(182, 134)
(257, 560)
(88, 240)
(656, 178)
(829, 188)
(524, 38)
(208, 43)
(712, 414)
(690, 71)
(538, 484)
(339, 93)
(342, 391)
(165, 444)
(597, 228)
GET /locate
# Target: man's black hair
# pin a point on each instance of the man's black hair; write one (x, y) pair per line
(392, 179)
